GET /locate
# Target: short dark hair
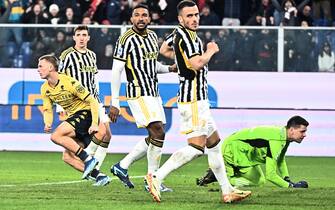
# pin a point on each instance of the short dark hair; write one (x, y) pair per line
(185, 3)
(141, 5)
(81, 28)
(296, 121)
(51, 59)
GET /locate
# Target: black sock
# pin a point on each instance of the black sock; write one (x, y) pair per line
(82, 154)
(95, 173)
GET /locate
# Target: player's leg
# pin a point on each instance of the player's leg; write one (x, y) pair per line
(100, 140)
(216, 163)
(73, 161)
(215, 159)
(179, 158)
(64, 135)
(145, 111)
(156, 137)
(251, 176)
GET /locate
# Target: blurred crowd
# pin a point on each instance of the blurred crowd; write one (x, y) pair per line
(251, 50)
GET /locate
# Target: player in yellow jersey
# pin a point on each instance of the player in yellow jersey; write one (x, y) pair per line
(82, 108)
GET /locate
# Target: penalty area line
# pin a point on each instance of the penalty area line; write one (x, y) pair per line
(59, 183)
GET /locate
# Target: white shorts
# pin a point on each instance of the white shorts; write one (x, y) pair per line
(147, 109)
(196, 119)
(103, 117)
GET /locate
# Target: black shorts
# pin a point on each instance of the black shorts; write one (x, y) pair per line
(81, 121)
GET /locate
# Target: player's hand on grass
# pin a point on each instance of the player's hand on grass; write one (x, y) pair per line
(93, 129)
(47, 128)
(300, 184)
(113, 113)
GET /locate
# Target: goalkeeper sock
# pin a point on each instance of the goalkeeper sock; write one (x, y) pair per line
(136, 153)
(178, 159)
(216, 163)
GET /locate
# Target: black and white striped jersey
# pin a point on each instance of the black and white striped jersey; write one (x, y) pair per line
(82, 67)
(139, 52)
(192, 83)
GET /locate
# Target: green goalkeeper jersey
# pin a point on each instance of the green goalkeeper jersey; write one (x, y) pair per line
(254, 146)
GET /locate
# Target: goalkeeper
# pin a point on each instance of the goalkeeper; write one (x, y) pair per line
(245, 151)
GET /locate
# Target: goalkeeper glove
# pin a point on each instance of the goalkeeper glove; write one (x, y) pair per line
(300, 184)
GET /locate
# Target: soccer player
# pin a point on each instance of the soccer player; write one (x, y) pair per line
(246, 150)
(80, 63)
(196, 120)
(136, 51)
(81, 107)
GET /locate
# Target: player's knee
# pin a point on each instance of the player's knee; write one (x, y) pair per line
(107, 136)
(55, 138)
(157, 130)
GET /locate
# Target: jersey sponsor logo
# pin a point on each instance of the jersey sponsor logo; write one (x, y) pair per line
(80, 89)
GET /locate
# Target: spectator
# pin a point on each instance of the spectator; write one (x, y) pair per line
(113, 12)
(264, 52)
(232, 12)
(264, 15)
(69, 17)
(324, 6)
(125, 12)
(4, 62)
(225, 59)
(59, 44)
(287, 13)
(106, 60)
(35, 16)
(53, 16)
(207, 17)
(244, 59)
(326, 59)
(156, 19)
(170, 11)
(305, 16)
(16, 17)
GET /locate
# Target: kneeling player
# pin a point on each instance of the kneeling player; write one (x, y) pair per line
(245, 151)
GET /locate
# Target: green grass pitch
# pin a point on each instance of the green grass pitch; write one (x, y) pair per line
(40, 180)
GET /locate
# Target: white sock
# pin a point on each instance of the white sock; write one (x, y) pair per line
(100, 155)
(216, 163)
(91, 148)
(177, 159)
(136, 153)
(154, 155)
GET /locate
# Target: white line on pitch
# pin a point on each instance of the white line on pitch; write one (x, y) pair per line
(60, 183)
